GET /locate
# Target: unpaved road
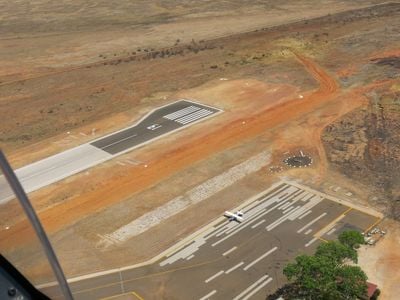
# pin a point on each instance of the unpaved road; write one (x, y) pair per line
(55, 218)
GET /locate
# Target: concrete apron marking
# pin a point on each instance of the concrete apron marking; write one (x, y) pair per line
(214, 225)
(176, 247)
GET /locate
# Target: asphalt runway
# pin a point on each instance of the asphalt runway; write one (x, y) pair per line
(229, 260)
(158, 123)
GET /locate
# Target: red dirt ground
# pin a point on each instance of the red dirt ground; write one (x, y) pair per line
(172, 161)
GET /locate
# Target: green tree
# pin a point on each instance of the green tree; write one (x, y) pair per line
(324, 276)
(336, 251)
(321, 278)
(351, 238)
(351, 282)
(313, 276)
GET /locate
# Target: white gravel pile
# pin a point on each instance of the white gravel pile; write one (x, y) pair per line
(195, 195)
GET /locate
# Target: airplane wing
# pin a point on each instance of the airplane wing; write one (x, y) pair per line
(239, 219)
(229, 214)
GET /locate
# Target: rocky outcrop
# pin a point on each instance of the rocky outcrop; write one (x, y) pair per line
(365, 146)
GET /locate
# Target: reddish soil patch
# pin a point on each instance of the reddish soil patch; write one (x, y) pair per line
(177, 159)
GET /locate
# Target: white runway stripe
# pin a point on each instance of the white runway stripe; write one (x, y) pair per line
(250, 287)
(208, 295)
(310, 242)
(260, 258)
(312, 222)
(257, 289)
(246, 223)
(181, 112)
(214, 276)
(259, 223)
(331, 231)
(229, 251)
(305, 214)
(234, 268)
(193, 116)
(282, 219)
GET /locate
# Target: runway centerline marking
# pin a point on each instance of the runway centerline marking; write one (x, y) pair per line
(120, 141)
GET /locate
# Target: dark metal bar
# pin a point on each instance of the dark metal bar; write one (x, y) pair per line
(33, 218)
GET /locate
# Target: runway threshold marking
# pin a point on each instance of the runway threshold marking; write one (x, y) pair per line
(193, 116)
(182, 112)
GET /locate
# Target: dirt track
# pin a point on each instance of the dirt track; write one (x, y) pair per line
(168, 163)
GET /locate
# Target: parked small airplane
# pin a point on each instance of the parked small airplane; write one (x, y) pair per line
(237, 216)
